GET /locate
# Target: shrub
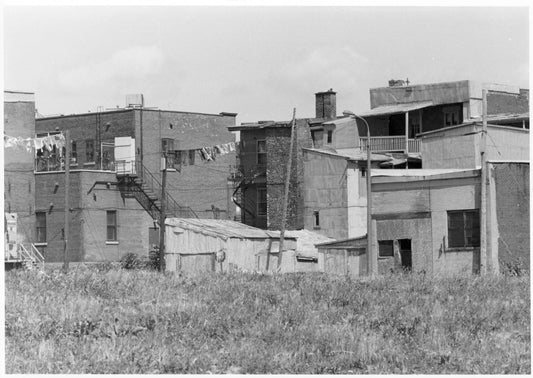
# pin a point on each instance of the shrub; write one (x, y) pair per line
(131, 261)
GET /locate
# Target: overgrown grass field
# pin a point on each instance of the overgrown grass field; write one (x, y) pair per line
(134, 321)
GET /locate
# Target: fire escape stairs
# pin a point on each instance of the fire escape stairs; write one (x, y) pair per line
(142, 185)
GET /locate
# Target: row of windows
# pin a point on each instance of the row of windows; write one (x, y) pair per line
(40, 226)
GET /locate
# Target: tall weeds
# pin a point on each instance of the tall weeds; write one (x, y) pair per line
(131, 321)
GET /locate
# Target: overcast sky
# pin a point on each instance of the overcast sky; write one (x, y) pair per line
(258, 62)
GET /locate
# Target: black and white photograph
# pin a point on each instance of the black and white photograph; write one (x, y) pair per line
(255, 188)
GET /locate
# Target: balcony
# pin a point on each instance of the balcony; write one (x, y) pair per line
(389, 144)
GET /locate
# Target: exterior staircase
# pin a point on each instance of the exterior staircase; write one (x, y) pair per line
(22, 255)
(136, 181)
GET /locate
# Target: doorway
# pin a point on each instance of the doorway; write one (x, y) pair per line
(405, 253)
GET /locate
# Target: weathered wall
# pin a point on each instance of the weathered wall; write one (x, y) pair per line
(203, 184)
(440, 93)
(501, 102)
(88, 225)
(417, 210)
(325, 191)
(253, 179)
(85, 127)
(278, 145)
(19, 183)
(512, 214)
(459, 147)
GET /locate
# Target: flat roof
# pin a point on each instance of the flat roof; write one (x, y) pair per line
(118, 110)
(357, 155)
(396, 108)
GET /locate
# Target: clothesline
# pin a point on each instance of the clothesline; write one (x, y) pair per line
(188, 157)
(38, 143)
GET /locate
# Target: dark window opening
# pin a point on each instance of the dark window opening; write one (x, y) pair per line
(405, 253)
(261, 201)
(386, 248)
(330, 136)
(316, 216)
(111, 225)
(40, 227)
(192, 154)
(73, 153)
(463, 228)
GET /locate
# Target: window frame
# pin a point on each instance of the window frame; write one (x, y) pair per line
(264, 203)
(261, 157)
(329, 137)
(470, 227)
(165, 143)
(316, 219)
(112, 226)
(40, 230)
(454, 113)
(381, 251)
(92, 149)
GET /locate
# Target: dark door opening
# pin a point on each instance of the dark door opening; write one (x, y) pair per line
(405, 253)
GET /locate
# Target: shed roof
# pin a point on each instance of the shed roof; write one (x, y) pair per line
(396, 108)
(221, 228)
(356, 154)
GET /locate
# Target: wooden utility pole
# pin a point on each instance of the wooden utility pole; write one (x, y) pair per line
(162, 215)
(67, 206)
(286, 195)
(483, 213)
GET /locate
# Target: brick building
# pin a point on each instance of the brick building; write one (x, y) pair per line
(19, 183)
(113, 214)
(262, 166)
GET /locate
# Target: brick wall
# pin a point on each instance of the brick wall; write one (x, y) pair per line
(512, 212)
(278, 145)
(203, 184)
(87, 228)
(499, 102)
(85, 127)
(19, 183)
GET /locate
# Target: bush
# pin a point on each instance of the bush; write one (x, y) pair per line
(131, 261)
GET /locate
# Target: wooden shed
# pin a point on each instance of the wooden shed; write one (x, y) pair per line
(208, 245)
(347, 257)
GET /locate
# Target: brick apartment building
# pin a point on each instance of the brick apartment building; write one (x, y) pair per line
(113, 214)
(262, 166)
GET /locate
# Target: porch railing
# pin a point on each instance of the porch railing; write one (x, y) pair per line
(389, 144)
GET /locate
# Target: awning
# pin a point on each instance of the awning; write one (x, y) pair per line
(396, 108)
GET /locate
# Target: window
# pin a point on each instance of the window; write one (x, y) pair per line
(463, 228)
(316, 216)
(261, 201)
(111, 225)
(386, 248)
(414, 126)
(40, 227)
(330, 136)
(167, 144)
(89, 151)
(451, 116)
(261, 152)
(73, 153)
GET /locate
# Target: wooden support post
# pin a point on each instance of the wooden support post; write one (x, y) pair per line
(286, 195)
(162, 215)
(483, 212)
(407, 140)
(67, 205)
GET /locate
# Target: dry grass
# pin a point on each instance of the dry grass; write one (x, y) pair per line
(118, 321)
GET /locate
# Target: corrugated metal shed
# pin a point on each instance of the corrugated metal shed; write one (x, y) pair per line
(220, 228)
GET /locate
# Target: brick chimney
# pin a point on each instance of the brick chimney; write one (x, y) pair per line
(326, 104)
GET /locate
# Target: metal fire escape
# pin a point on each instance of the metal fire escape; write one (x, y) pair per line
(242, 179)
(139, 183)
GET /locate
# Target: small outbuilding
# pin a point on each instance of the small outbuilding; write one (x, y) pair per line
(208, 245)
(346, 257)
